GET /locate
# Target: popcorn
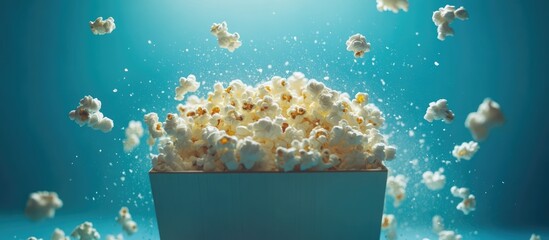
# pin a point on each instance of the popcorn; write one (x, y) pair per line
(42, 205)
(434, 181)
(389, 224)
(444, 16)
(469, 202)
(58, 234)
(535, 237)
(292, 124)
(134, 132)
(396, 188)
(117, 237)
(449, 235)
(102, 27)
(88, 113)
(34, 238)
(224, 38)
(439, 111)
(438, 224)
(186, 85)
(487, 116)
(358, 45)
(125, 219)
(392, 5)
(466, 150)
(85, 231)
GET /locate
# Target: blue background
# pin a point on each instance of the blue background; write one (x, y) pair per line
(50, 59)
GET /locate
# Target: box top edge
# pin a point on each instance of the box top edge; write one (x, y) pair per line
(382, 169)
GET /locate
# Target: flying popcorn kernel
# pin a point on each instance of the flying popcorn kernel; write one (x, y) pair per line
(186, 85)
(85, 231)
(438, 224)
(449, 235)
(117, 237)
(102, 27)
(292, 124)
(58, 234)
(466, 150)
(396, 188)
(444, 16)
(125, 220)
(468, 204)
(535, 237)
(392, 5)
(134, 132)
(227, 40)
(88, 113)
(34, 238)
(358, 45)
(42, 205)
(439, 111)
(487, 116)
(434, 180)
(389, 225)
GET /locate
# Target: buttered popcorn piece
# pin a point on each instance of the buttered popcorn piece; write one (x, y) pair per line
(389, 225)
(535, 237)
(392, 5)
(468, 204)
(438, 224)
(292, 124)
(358, 45)
(186, 85)
(439, 111)
(449, 235)
(466, 150)
(446, 15)
(434, 180)
(396, 188)
(229, 41)
(125, 220)
(133, 132)
(102, 27)
(42, 205)
(88, 113)
(487, 116)
(85, 231)
(58, 234)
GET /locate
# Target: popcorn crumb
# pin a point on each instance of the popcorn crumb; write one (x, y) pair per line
(389, 225)
(113, 237)
(58, 234)
(42, 205)
(125, 220)
(358, 45)
(439, 111)
(396, 188)
(469, 202)
(466, 150)
(134, 132)
(444, 16)
(227, 40)
(392, 5)
(85, 231)
(102, 27)
(434, 180)
(487, 116)
(88, 113)
(186, 85)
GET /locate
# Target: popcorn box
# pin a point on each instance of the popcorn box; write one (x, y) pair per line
(330, 205)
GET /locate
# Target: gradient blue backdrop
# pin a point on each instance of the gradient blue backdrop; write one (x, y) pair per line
(50, 59)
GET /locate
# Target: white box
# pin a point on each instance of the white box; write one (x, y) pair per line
(331, 205)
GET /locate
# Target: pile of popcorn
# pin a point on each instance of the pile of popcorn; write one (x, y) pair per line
(292, 124)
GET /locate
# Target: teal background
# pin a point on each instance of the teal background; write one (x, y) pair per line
(50, 59)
